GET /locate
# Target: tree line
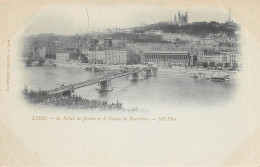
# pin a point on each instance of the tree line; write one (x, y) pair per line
(202, 29)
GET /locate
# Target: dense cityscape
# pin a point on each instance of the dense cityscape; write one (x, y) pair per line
(198, 45)
(178, 42)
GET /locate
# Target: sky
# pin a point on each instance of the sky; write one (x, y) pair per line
(73, 19)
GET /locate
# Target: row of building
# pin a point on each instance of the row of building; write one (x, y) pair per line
(99, 57)
(144, 53)
(111, 56)
(231, 57)
(39, 52)
(127, 57)
(213, 39)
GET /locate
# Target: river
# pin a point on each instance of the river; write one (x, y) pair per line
(171, 87)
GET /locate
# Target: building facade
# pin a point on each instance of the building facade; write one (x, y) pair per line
(42, 52)
(111, 56)
(140, 47)
(119, 56)
(175, 57)
(200, 55)
(231, 57)
(64, 57)
(94, 56)
(216, 58)
(108, 42)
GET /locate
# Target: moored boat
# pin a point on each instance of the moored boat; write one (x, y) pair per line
(194, 75)
(219, 78)
(88, 68)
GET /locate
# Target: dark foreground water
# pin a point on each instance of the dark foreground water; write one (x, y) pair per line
(171, 88)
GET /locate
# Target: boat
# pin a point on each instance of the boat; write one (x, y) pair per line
(194, 75)
(98, 69)
(219, 78)
(88, 68)
(49, 63)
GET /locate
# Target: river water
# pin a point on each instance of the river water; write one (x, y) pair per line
(171, 87)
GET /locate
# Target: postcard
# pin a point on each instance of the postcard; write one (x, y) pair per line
(130, 83)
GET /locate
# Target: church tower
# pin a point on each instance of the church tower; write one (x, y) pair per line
(186, 17)
(175, 19)
(229, 16)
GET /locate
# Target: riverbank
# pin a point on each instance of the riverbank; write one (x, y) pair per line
(90, 65)
(204, 73)
(41, 98)
(175, 69)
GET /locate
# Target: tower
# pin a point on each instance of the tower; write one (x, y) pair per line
(186, 17)
(175, 19)
(182, 18)
(229, 16)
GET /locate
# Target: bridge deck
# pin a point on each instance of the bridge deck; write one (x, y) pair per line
(96, 79)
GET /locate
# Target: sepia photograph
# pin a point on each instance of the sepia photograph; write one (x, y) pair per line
(78, 58)
(129, 83)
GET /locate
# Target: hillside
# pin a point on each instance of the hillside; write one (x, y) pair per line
(198, 29)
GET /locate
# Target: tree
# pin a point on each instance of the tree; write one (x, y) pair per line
(235, 66)
(220, 65)
(198, 63)
(178, 40)
(204, 64)
(212, 64)
(226, 65)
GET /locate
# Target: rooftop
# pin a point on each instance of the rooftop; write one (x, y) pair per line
(165, 51)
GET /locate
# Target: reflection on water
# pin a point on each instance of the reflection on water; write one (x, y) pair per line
(167, 89)
(103, 93)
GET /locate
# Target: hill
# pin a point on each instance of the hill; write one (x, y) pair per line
(197, 28)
